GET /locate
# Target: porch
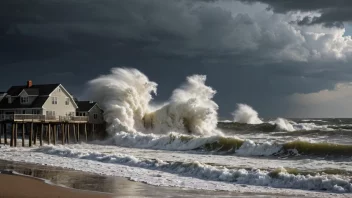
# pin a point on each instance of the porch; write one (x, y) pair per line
(42, 118)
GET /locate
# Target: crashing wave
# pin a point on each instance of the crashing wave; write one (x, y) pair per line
(125, 95)
(246, 114)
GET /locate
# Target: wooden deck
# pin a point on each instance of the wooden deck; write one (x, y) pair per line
(34, 118)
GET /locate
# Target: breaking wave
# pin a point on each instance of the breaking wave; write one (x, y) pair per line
(246, 114)
(125, 95)
(227, 145)
(279, 178)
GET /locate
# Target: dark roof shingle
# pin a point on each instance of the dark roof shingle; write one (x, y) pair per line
(85, 105)
(37, 103)
(41, 89)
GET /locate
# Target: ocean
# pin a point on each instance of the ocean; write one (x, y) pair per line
(315, 158)
(181, 143)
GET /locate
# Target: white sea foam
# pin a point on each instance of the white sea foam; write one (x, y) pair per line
(125, 96)
(250, 148)
(278, 179)
(288, 125)
(246, 114)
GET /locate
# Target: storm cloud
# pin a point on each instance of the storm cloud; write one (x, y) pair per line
(250, 53)
(331, 13)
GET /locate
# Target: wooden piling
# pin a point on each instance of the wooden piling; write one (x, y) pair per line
(23, 133)
(16, 132)
(49, 131)
(74, 133)
(31, 136)
(1, 131)
(12, 135)
(78, 132)
(68, 133)
(41, 135)
(85, 131)
(93, 132)
(5, 133)
(55, 130)
(62, 129)
(35, 134)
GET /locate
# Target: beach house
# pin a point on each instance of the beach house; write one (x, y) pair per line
(91, 110)
(44, 102)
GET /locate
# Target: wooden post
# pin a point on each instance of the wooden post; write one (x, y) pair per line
(12, 135)
(31, 135)
(5, 133)
(35, 134)
(85, 131)
(41, 135)
(15, 135)
(49, 131)
(93, 131)
(78, 132)
(62, 129)
(23, 133)
(1, 131)
(55, 130)
(68, 133)
(74, 133)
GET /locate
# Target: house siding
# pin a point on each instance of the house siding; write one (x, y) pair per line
(61, 109)
(98, 111)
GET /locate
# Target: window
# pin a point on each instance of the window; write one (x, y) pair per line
(24, 100)
(58, 89)
(67, 102)
(54, 100)
(95, 116)
(35, 111)
(50, 113)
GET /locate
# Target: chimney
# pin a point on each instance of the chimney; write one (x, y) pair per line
(29, 84)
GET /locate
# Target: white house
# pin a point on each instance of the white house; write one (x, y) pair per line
(41, 102)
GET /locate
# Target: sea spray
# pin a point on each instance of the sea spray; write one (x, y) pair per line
(283, 125)
(125, 96)
(246, 114)
(191, 110)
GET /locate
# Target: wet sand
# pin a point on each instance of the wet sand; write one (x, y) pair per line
(26, 187)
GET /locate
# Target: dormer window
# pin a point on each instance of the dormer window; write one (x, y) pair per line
(24, 100)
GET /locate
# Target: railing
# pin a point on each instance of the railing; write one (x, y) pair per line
(29, 117)
(41, 118)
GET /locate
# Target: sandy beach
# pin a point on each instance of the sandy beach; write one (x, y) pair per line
(64, 183)
(25, 187)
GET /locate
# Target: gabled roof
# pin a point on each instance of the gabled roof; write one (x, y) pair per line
(37, 103)
(85, 105)
(32, 91)
(42, 90)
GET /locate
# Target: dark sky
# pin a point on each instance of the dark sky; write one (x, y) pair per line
(284, 58)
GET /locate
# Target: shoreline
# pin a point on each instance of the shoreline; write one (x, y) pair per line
(74, 184)
(32, 187)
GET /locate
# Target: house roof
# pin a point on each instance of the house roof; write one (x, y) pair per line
(42, 90)
(85, 105)
(32, 91)
(37, 103)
